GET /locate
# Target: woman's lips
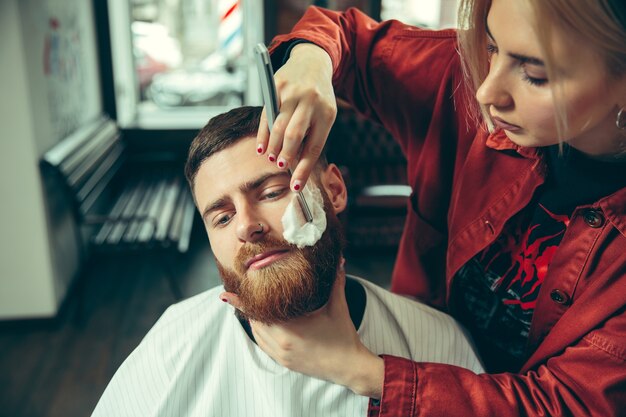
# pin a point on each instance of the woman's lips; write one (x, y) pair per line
(505, 125)
(266, 258)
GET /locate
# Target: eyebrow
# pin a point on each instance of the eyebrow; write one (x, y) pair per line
(244, 188)
(522, 58)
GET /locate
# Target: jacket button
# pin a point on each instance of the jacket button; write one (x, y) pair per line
(593, 218)
(559, 297)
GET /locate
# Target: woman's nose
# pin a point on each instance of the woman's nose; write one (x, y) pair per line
(494, 90)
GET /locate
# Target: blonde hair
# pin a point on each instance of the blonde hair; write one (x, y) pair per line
(472, 38)
(600, 22)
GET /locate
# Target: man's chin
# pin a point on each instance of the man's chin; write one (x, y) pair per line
(290, 286)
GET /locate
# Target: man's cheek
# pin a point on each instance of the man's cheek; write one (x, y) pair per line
(221, 252)
(222, 258)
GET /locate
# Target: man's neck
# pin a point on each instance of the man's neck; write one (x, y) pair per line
(355, 297)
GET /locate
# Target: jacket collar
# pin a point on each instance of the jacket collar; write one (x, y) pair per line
(499, 141)
(613, 206)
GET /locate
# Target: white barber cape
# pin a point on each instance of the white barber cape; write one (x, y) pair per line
(197, 360)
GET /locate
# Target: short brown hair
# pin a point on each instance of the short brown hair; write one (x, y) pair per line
(221, 132)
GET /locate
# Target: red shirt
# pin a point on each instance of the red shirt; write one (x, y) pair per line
(467, 183)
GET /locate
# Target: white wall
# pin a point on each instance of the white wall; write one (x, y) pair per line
(50, 86)
(436, 14)
(62, 65)
(26, 277)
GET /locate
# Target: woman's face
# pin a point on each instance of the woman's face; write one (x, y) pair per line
(519, 96)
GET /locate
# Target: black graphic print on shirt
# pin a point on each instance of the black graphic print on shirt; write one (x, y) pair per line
(495, 293)
(499, 286)
(521, 266)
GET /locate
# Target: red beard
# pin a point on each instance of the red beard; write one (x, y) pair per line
(290, 287)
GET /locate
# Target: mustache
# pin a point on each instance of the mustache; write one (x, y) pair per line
(291, 287)
(250, 250)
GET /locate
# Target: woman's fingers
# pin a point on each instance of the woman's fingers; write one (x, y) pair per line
(263, 135)
(232, 299)
(311, 151)
(298, 138)
(276, 137)
(307, 111)
(294, 136)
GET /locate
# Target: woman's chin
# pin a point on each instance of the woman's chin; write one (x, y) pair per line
(525, 140)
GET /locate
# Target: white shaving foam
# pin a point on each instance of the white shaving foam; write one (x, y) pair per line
(297, 230)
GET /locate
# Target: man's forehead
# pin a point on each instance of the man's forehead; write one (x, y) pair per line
(240, 145)
(232, 170)
(233, 159)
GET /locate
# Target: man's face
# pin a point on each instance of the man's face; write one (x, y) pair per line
(237, 192)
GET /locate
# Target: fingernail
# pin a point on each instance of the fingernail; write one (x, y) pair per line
(281, 163)
(224, 300)
(259, 149)
(297, 185)
(271, 157)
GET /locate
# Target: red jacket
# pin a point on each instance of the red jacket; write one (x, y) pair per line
(467, 183)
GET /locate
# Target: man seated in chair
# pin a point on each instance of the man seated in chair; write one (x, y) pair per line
(201, 359)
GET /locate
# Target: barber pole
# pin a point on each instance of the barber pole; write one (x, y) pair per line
(229, 33)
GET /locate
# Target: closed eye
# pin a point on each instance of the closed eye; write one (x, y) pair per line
(523, 62)
(533, 80)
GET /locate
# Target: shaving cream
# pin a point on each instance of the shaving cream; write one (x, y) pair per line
(297, 230)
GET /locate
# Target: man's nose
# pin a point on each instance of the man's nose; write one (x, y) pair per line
(251, 228)
(494, 91)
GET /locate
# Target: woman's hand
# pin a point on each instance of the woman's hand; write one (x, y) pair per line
(307, 110)
(323, 344)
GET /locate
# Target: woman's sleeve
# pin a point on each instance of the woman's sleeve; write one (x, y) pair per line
(409, 80)
(403, 77)
(586, 379)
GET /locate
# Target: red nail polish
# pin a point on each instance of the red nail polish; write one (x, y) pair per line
(224, 300)
(296, 187)
(272, 158)
(259, 150)
(281, 164)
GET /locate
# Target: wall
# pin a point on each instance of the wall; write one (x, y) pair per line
(62, 64)
(50, 86)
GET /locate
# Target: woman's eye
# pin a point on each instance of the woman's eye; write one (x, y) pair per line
(491, 49)
(533, 80)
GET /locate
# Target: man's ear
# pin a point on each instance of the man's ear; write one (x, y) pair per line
(335, 187)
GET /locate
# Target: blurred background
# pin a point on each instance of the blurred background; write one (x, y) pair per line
(100, 100)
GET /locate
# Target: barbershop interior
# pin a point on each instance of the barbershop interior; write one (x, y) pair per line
(462, 253)
(100, 102)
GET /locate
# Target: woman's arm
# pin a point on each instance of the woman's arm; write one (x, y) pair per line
(586, 379)
(405, 78)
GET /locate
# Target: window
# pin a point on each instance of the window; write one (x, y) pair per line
(177, 62)
(434, 14)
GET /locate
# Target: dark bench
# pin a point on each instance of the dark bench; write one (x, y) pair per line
(121, 204)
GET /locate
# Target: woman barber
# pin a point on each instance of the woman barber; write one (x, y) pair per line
(514, 131)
